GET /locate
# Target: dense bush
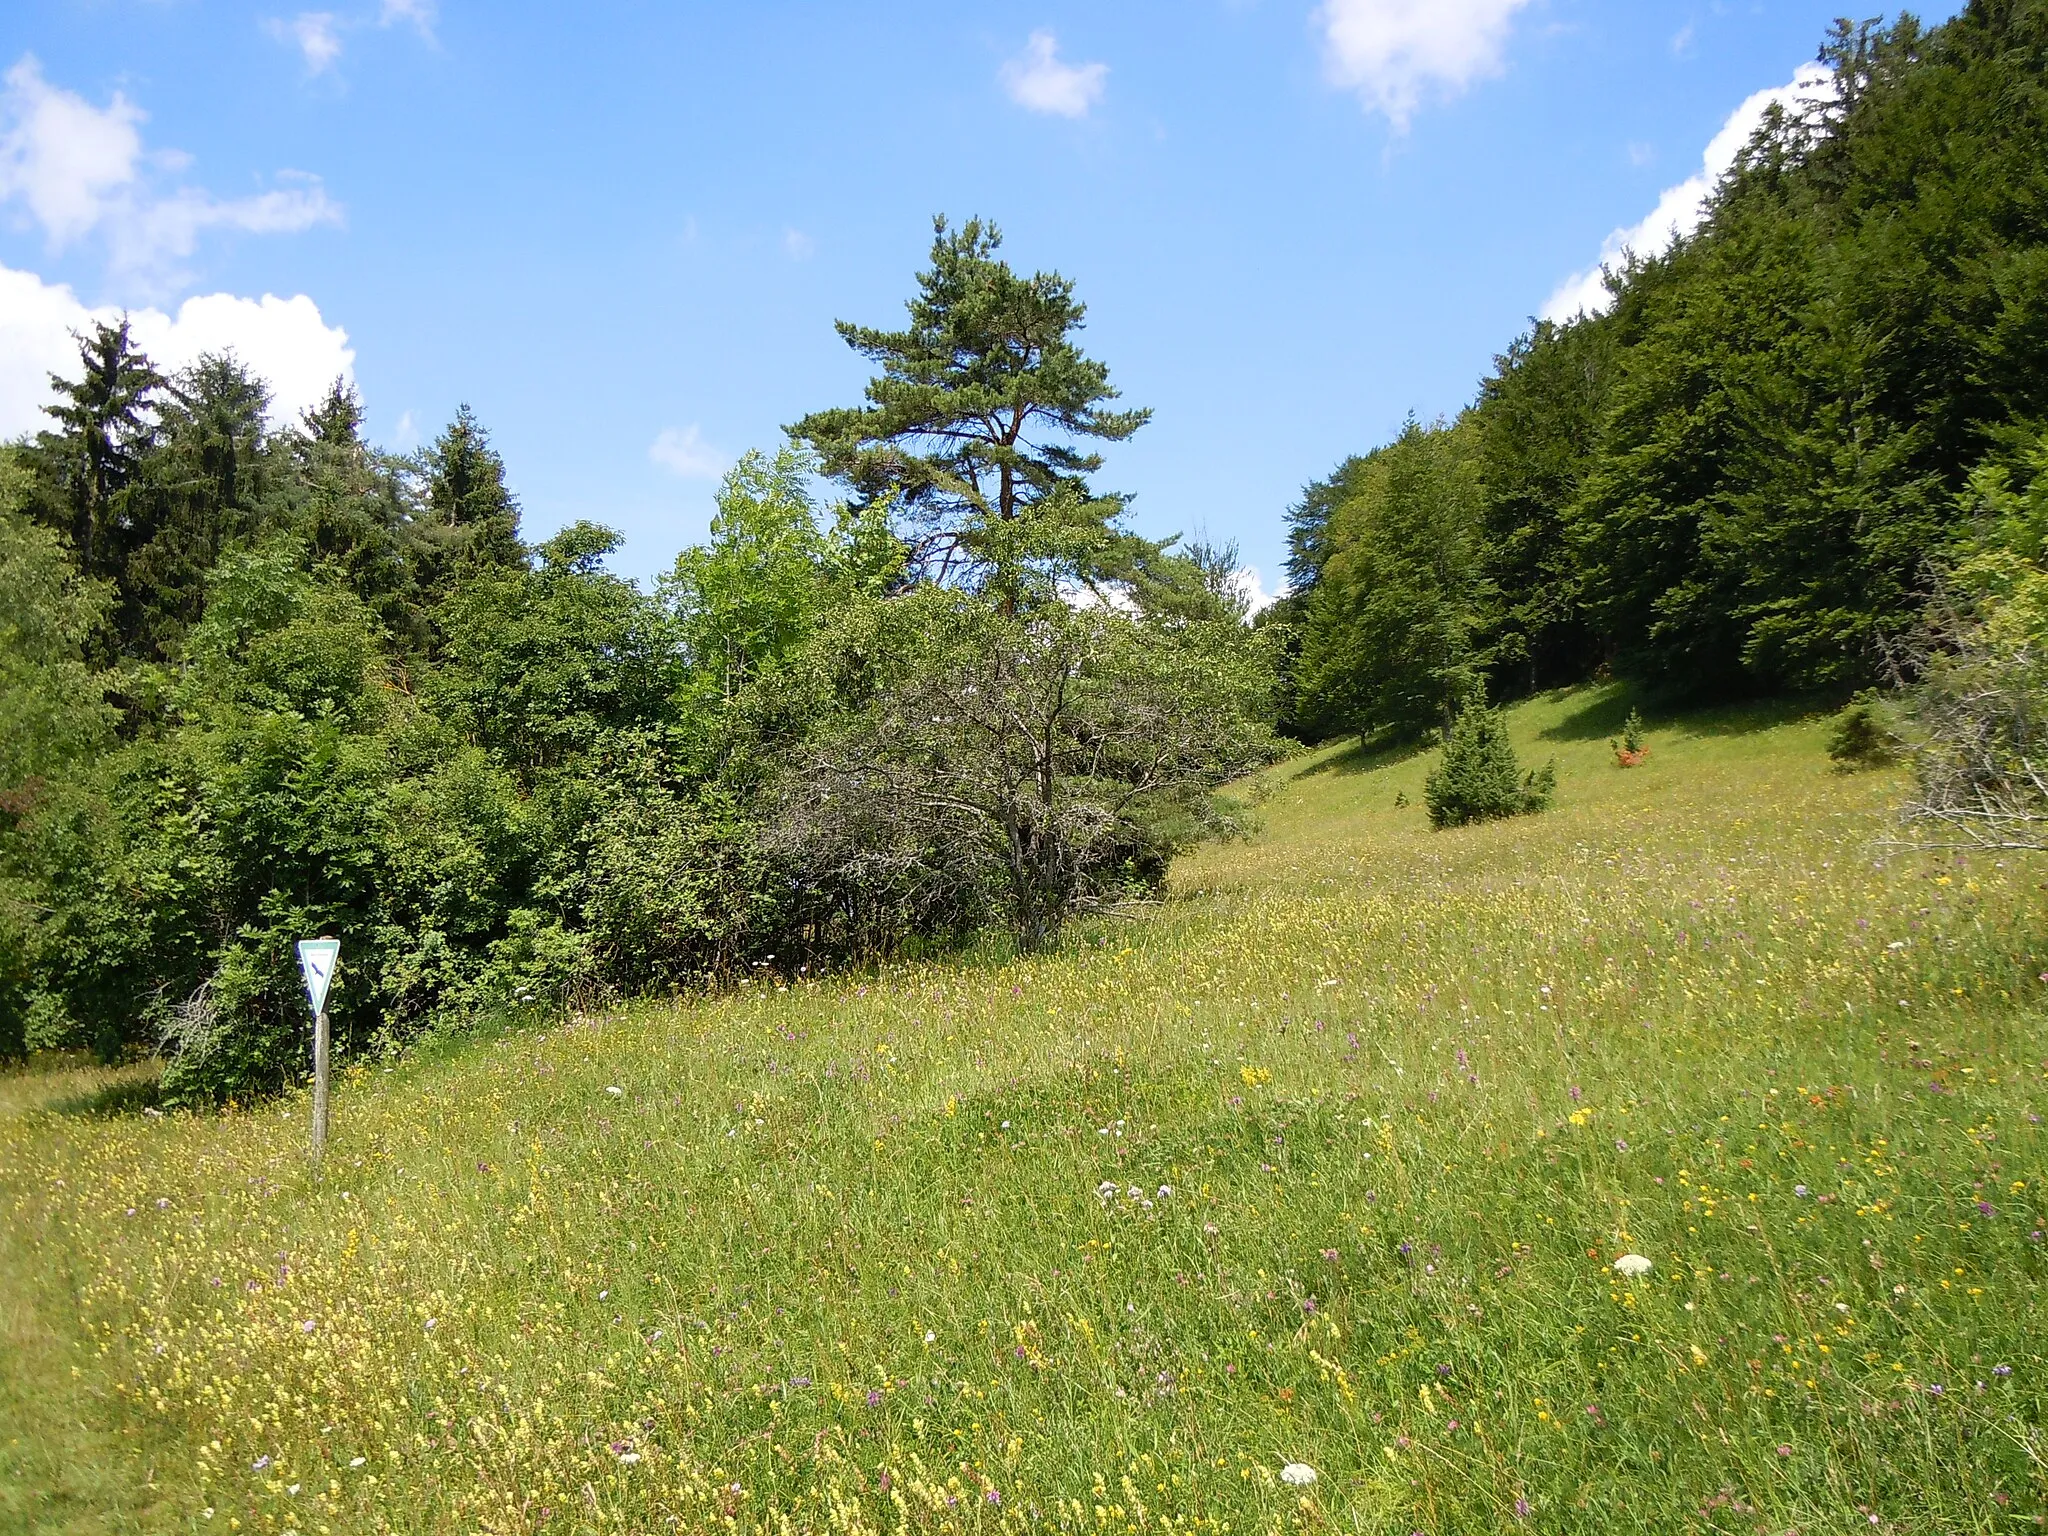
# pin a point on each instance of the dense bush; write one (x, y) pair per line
(261, 684)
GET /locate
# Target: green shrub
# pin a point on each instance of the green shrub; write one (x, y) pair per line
(1863, 736)
(1479, 777)
(1631, 749)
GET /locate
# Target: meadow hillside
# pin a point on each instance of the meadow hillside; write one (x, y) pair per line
(1327, 1160)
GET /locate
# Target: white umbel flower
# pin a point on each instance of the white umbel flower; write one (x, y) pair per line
(1633, 1265)
(1298, 1474)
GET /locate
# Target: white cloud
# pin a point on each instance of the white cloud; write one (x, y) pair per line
(285, 342)
(419, 14)
(316, 34)
(1681, 208)
(61, 156)
(1039, 82)
(1251, 586)
(684, 452)
(80, 170)
(1395, 53)
(797, 245)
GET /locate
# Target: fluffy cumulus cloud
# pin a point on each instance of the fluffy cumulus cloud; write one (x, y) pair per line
(286, 342)
(1040, 81)
(1397, 54)
(1681, 208)
(683, 451)
(78, 171)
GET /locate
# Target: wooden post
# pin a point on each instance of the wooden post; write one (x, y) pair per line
(320, 1082)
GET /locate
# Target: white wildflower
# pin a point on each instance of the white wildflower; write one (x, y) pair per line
(1633, 1265)
(615, 1090)
(1297, 1474)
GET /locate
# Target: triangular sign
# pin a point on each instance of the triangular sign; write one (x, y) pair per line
(316, 965)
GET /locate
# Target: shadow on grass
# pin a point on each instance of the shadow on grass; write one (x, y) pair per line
(128, 1094)
(1600, 718)
(1364, 756)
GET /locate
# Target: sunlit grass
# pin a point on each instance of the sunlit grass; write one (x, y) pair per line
(1328, 1161)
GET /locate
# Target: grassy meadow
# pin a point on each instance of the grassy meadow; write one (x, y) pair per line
(1328, 1160)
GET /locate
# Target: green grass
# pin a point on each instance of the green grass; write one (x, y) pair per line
(872, 1254)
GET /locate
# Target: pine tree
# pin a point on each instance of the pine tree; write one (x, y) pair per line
(975, 423)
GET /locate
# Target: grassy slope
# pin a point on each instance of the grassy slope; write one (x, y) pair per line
(906, 1251)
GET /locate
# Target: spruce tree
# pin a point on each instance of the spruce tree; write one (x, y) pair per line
(105, 424)
(471, 520)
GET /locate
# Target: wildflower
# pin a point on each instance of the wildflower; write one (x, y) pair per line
(930, 1337)
(1633, 1265)
(259, 1463)
(1330, 1254)
(1935, 1389)
(1297, 1474)
(1106, 1189)
(1784, 1450)
(2001, 1370)
(1521, 1508)
(1986, 1208)
(1800, 1190)
(431, 1322)
(874, 1397)
(1166, 1191)
(355, 1461)
(615, 1090)
(994, 1497)
(307, 1326)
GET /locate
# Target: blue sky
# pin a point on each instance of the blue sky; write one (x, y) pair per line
(621, 232)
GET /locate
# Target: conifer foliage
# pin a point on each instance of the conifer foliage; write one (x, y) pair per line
(1479, 777)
